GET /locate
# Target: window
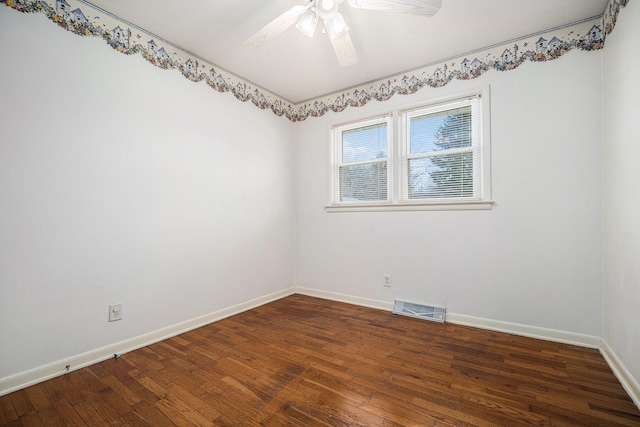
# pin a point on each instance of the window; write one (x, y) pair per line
(363, 161)
(441, 152)
(437, 159)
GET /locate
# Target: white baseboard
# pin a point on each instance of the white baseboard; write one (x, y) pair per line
(629, 383)
(476, 322)
(538, 332)
(349, 299)
(52, 370)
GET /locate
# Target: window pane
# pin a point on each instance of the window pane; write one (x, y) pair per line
(441, 176)
(364, 143)
(363, 182)
(441, 131)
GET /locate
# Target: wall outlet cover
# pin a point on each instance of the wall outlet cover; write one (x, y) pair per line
(115, 312)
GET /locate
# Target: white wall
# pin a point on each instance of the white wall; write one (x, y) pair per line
(120, 182)
(621, 142)
(124, 183)
(534, 259)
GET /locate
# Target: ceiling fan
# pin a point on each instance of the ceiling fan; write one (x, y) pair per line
(306, 19)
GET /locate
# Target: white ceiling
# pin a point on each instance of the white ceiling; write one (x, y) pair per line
(298, 68)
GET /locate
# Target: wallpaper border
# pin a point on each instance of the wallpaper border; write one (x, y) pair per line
(589, 35)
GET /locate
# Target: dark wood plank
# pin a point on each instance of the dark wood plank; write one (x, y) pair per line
(37, 397)
(150, 415)
(67, 413)
(21, 403)
(50, 417)
(304, 361)
(31, 419)
(7, 412)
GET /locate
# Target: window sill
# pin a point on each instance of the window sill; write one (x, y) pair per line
(396, 207)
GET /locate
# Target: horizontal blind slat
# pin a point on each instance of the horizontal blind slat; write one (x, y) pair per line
(363, 161)
(441, 147)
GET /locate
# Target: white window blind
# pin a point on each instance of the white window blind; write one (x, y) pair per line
(430, 157)
(363, 168)
(441, 152)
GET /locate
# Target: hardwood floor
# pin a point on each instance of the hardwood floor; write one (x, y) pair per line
(305, 361)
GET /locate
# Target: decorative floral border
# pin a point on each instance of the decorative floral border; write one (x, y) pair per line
(68, 14)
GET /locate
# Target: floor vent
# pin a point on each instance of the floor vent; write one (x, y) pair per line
(435, 314)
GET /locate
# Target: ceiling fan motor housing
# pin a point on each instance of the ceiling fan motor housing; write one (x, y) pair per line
(327, 9)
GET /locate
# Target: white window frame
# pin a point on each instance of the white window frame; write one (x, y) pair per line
(398, 156)
(338, 162)
(473, 103)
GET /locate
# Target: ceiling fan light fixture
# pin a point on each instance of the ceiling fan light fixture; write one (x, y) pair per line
(308, 23)
(305, 18)
(327, 9)
(336, 26)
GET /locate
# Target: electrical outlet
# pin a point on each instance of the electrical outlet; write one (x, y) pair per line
(387, 280)
(115, 312)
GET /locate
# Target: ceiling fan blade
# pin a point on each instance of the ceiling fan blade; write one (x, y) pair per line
(416, 7)
(344, 49)
(277, 26)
